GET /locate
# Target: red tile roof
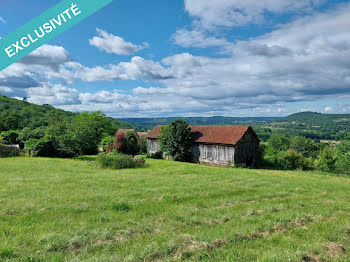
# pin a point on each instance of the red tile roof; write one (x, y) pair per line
(228, 135)
(142, 134)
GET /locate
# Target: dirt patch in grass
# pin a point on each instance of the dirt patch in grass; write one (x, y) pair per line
(256, 212)
(335, 249)
(195, 245)
(328, 202)
(310, 258)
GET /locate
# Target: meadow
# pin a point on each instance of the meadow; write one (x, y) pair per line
(71, 210)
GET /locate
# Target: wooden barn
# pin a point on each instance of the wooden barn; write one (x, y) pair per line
(217, 145)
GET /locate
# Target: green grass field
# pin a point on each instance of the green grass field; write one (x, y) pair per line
(70, 210)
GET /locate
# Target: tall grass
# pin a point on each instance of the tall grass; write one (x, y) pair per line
(118, 161)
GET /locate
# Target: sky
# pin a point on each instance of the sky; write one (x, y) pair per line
(159, 58)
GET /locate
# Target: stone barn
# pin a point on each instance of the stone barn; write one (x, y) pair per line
(217, 145)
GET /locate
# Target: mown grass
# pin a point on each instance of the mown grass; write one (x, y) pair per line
(70, 210)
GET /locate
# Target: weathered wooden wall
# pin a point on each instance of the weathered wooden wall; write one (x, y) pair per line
(245, 152)
(247, 149)
(214, 154)
(153, 146)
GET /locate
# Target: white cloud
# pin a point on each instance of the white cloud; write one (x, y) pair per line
(199, 38)
(47, 55)
(137, 68)
(231, 13)
(304, 60)
(328, 109)
(2, 20)
(53, 95)
(114, 44)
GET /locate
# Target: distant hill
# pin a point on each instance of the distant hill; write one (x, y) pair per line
(149, 123)
(17, 114)
(308, 124)
(317, 118)
(314, 125)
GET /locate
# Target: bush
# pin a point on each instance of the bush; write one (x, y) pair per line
(107, 142)
(8, 151)
(158, 155)
(49, 148)
(10, 137)
(144, 145)
(305, 146)
(326, 160)
(342, 165)
(126, 143)
(289, 160)
(139, 161)
(118, 161)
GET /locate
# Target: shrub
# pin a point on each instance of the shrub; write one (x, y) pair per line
(289, 160)
(131, 144)
(305, 146)
(139, 161)
(118, 161)
(326, 160)
(144, 145)
(158, 155)
(126, 143)
(8, 151)
(342, 165)
(49, 148)
(107, 142)
(10, 137)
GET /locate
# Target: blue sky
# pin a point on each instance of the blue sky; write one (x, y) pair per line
(189, 58)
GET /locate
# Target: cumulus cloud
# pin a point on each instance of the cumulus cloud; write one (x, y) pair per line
(304, 60)
(47, 55)
(53, 95)
(230, 13)
(199, 38)
(301, 61)
(137, 68)
(2, 20)
(114, 44)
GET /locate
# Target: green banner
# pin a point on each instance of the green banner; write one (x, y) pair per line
(45, 27)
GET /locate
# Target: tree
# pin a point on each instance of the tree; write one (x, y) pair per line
(176, 140)
(343, 147)
(326, 160)
(87, 130)
(10, 137)
(278, 142)
(126, 143)
(343, 164)
(131, 144)
(163, 137)
(11, 121)
(305, 146)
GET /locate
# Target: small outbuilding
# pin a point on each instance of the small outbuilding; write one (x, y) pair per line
(217, 145)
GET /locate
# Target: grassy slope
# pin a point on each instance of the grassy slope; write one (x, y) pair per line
(53, 210)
